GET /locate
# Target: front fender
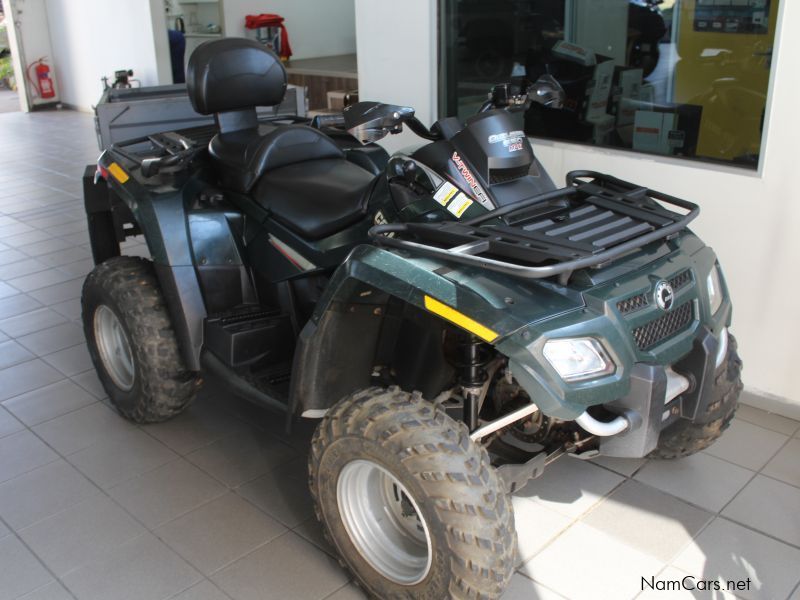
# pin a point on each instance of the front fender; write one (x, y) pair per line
(336, 348)
(499, 302)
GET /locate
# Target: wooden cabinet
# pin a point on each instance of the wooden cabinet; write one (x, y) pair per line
(321, 75)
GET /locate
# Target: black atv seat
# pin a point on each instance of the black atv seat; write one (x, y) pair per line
(298, 173)
(316, 198)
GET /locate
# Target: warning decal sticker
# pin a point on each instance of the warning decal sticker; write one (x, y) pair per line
(460, 204)
(445, 193)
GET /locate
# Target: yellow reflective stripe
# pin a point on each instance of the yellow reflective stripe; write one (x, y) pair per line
(117, 172)
(460, 319)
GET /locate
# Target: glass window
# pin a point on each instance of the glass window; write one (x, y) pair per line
(681, 78)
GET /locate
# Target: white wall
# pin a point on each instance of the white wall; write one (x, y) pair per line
(751, 220)
(94, 38)
(395, 65)
(315, 28)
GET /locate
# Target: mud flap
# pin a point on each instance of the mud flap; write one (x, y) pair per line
(334, 357)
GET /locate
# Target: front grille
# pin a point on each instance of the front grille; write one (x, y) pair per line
(681, 279)
(631, 304)
(666, 326)
(634, 303)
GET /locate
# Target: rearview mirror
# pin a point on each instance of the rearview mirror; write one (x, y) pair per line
(547, 91)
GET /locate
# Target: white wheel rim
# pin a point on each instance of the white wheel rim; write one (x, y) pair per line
(384, 522)
(114, 348)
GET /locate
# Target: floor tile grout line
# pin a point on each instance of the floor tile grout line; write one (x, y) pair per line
(46, 231)
(337, 590)
(755, 474)
(714, 515)
(577, 519)
(102, 491)
(74, 377)
(796, 588)
(730, 462)
(38, 558)
(230, 562)
(38, 387)
(49, 462)
(779, 480)
(195, 584)
(719, 515)
(320, 547)
(228, 488)
(758, 531)
(69, 412)
(746, 420)
(537, 582)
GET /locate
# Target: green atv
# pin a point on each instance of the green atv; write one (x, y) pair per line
(455, 320)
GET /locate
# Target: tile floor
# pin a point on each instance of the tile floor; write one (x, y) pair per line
(9, 100)
(213, 505)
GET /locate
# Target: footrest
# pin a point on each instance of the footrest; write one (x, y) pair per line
(515, 477)
(242, 338)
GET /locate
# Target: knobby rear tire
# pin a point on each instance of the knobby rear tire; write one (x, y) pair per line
(162, 385)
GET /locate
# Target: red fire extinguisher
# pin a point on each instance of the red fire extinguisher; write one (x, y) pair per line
(42, 83)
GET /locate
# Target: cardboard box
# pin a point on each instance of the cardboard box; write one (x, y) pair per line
(627, 87)
(600, 90)
(667, 129)
(651, 131)
(602, 127)
(575, 53)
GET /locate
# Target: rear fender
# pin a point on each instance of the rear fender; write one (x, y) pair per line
(161, 216)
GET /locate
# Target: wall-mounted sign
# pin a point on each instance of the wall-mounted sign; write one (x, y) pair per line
(732, 16)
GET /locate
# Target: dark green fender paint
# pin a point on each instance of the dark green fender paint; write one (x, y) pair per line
(527, 314)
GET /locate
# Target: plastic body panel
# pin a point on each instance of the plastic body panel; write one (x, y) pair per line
(528, 313)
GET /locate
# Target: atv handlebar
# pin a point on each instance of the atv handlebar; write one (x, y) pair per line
(332, 120)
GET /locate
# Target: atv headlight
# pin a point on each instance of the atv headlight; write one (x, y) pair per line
(575, 359)
(714, 284)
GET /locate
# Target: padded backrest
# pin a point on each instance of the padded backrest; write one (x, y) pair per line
(232, 74)
(296, 143)
(247, 154)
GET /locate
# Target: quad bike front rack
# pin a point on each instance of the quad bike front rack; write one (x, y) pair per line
(585, 224)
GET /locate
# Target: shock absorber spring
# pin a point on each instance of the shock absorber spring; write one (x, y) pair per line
(470, 357)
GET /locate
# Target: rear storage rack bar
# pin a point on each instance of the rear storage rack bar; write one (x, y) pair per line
(585, 224)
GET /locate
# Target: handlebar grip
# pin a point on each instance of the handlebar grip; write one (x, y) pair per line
(335, 120)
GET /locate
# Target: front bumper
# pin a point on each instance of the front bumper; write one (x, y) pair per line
(665, 360)
(653, 405)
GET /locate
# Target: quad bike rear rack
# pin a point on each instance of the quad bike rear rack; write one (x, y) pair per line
(585, 224)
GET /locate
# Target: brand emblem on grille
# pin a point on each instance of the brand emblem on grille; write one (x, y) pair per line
(665, 295)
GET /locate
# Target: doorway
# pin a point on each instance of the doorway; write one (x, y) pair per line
(9, 95)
